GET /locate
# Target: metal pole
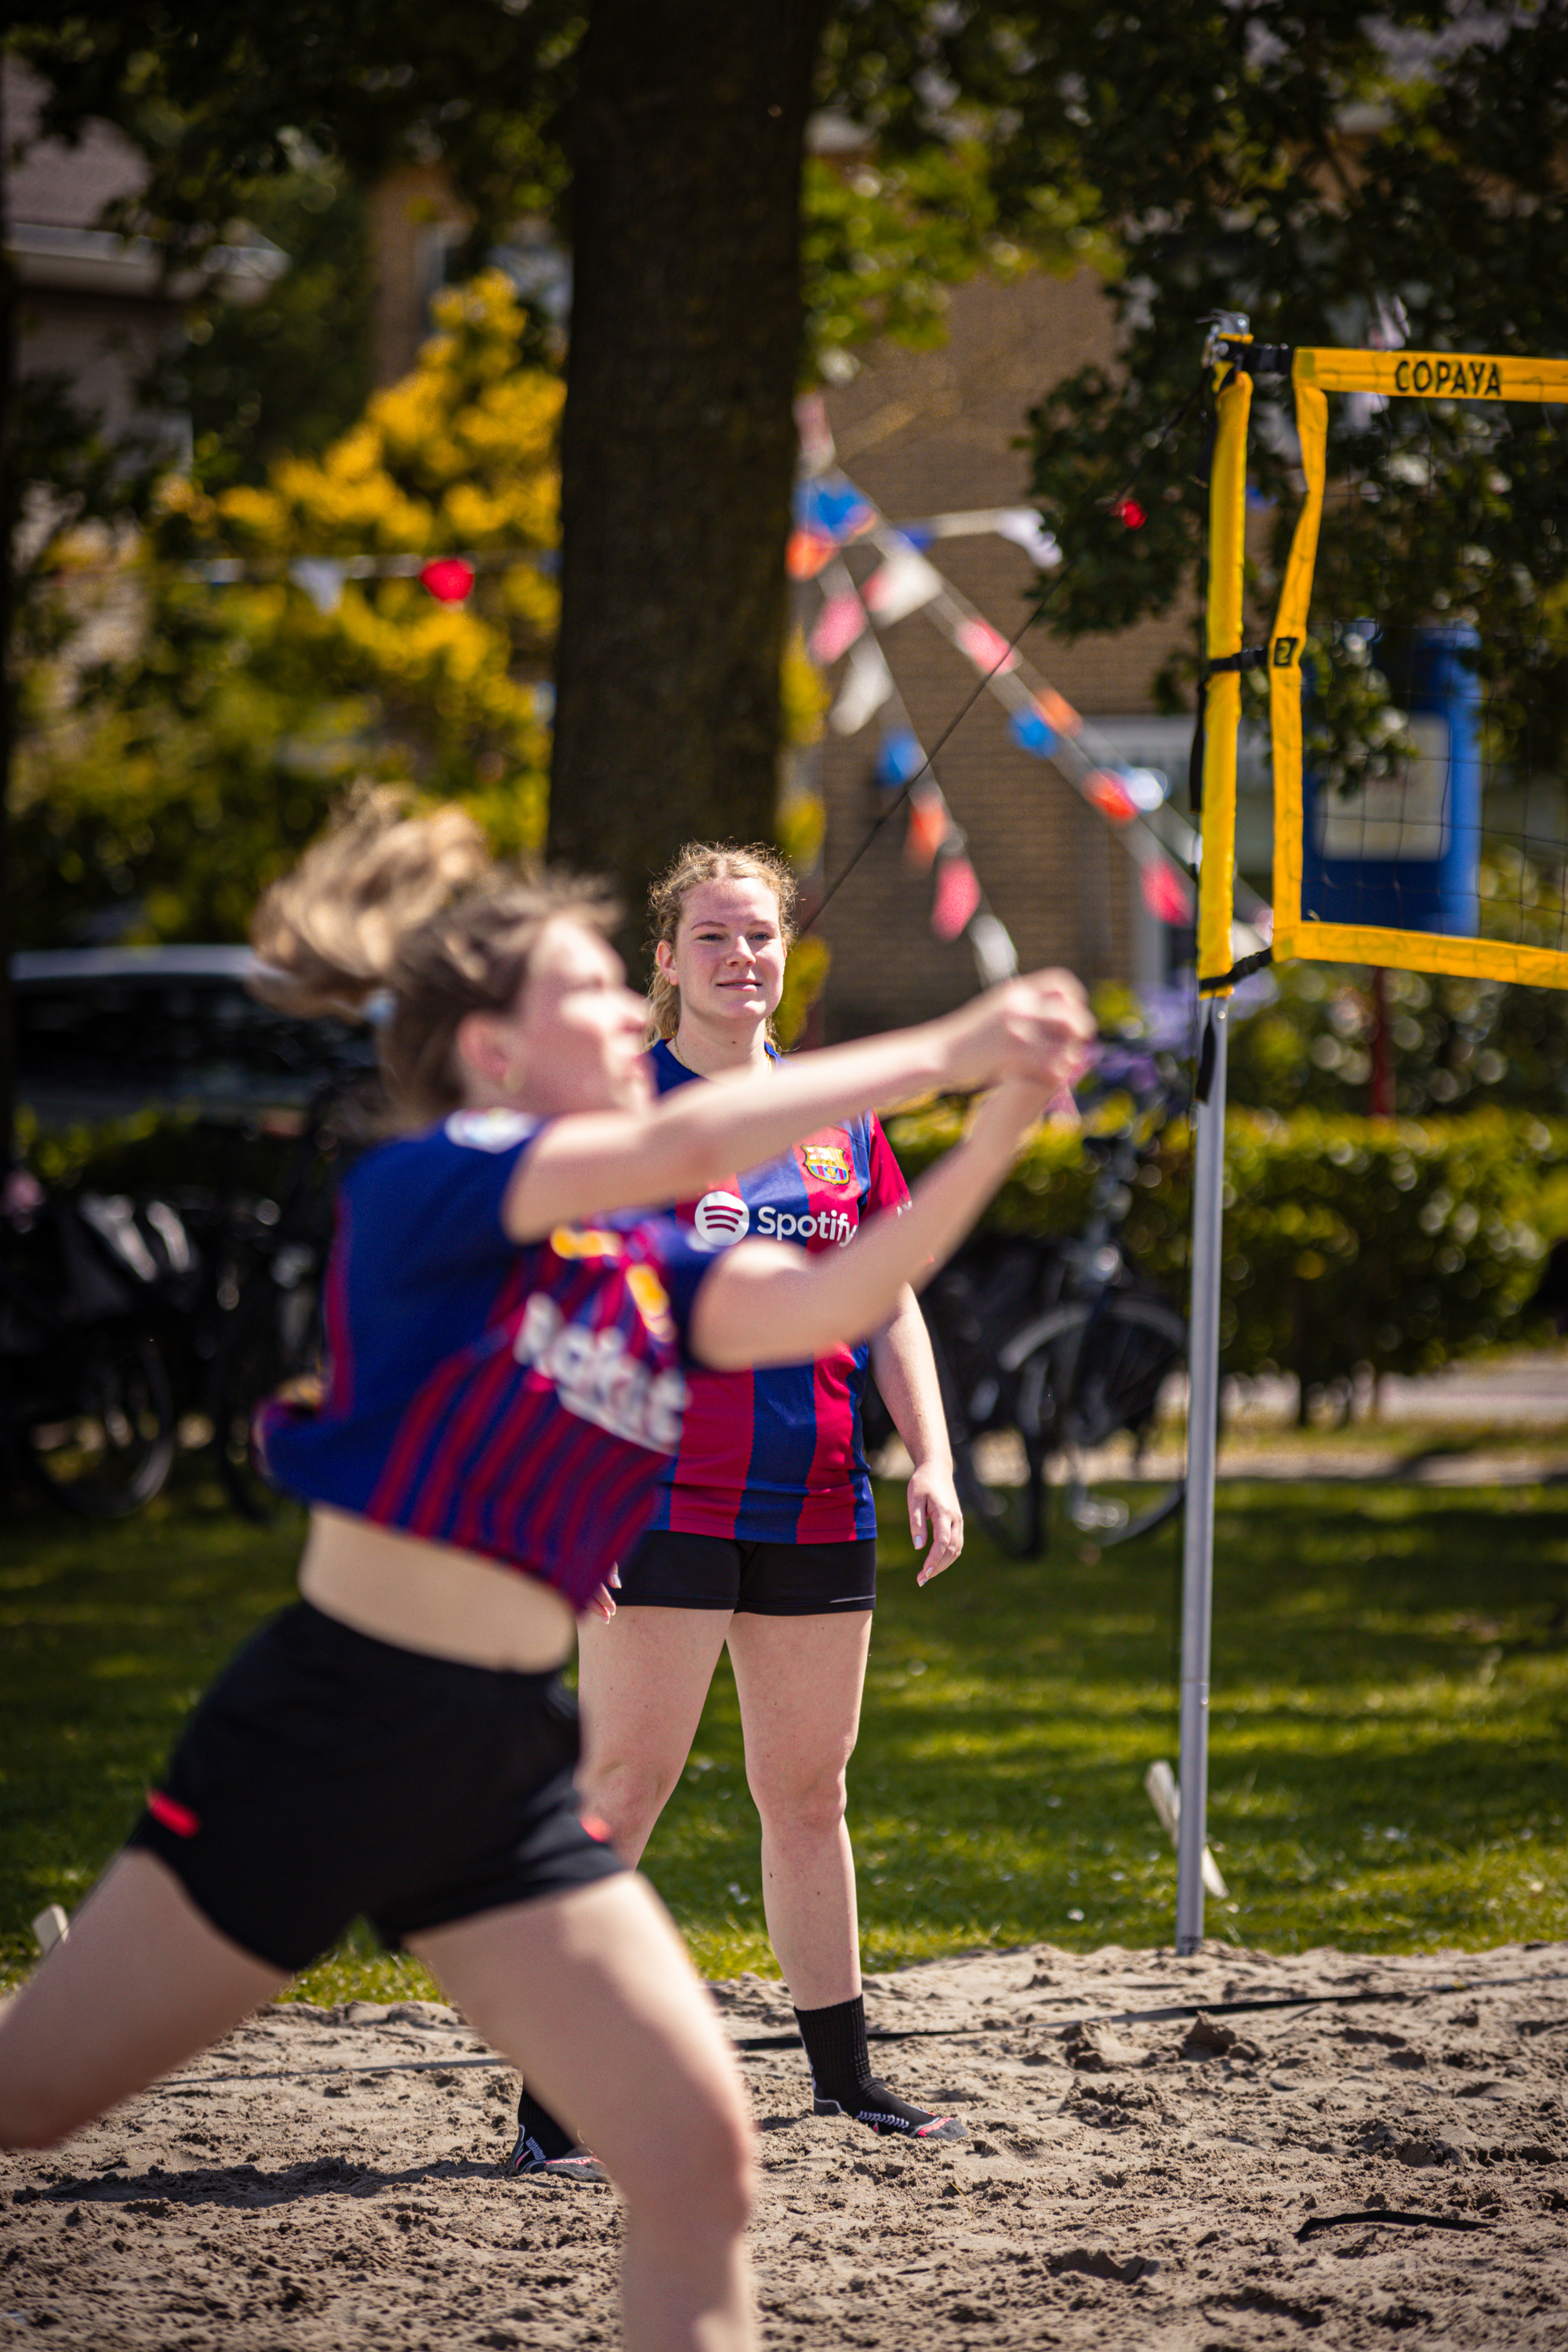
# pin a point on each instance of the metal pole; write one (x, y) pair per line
(1203, 1428)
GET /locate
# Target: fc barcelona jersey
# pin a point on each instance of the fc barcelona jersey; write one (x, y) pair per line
(519, 1401)
(775, 1455)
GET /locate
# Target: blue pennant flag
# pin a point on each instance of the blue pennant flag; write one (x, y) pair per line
(899, 759)
(834, 508)
(1027, 728)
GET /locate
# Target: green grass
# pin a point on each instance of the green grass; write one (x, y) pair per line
(1390, 1704)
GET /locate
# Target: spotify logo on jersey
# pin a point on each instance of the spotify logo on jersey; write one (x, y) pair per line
(721, 1218)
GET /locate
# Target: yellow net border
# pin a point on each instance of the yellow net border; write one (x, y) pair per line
(1436, 375)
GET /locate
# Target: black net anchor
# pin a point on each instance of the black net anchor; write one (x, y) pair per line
(1250, 657)
(1317, 2222)
(1242, 969)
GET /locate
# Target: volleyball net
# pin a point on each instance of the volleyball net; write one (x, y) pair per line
(1417, 667)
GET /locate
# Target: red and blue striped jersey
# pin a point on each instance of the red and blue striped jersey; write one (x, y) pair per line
(518, 1401)
(775, 1455)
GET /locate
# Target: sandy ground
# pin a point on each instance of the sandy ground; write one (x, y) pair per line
(1133, 2176)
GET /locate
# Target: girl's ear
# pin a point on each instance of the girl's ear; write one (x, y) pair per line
(664, 956)
(481, 1049)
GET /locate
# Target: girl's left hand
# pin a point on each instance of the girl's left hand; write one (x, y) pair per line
(934, 1503)
(603, 1603)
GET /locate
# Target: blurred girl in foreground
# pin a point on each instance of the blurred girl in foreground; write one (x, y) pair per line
(506, 1344)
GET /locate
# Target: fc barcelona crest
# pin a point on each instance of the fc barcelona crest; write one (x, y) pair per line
(828, 1163)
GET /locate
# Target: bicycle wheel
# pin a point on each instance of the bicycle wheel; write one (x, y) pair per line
(98, 1424)
(1000, 1472)
(1095, 1375)
(273, 1336)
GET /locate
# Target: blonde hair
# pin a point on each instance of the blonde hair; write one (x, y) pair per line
(699, 862)
(416, 907)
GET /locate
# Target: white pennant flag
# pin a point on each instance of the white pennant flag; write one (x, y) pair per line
(995, 958)
(322, 580)
(1027, 530)
(904, 582)
(867, 686)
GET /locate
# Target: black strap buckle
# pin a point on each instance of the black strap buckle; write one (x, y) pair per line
(1243, 968)
(1260, 359)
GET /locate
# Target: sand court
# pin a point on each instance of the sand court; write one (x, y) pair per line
(1135, 2173)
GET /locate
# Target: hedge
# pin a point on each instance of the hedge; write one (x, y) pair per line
(1395, 1245)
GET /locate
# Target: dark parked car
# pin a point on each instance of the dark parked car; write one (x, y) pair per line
(103, 1032)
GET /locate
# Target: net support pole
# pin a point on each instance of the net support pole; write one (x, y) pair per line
(1216, 886)
(1203, 1432)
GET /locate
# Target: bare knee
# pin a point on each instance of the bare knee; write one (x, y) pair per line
(702, 2173)
(629, 1794)
(811, 1806)
(706, 2174)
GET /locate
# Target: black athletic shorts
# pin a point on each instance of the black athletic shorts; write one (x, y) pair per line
(325, 1775)
(668, 1570)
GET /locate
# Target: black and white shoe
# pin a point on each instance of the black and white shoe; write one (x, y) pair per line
(528, 2161)
(880, 2111)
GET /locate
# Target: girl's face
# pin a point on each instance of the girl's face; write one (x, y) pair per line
(572, 1041)
(728, 961)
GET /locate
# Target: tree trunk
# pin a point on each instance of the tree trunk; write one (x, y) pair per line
(10, 515)
(679, 440)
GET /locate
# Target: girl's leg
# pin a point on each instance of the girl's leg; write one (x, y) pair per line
(799, 1681)
(641, 1682)
(592, 1995)
(142, 1983)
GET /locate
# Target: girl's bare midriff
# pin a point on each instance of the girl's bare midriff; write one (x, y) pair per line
(430, 1598)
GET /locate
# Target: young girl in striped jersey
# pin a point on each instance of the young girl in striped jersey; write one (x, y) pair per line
(507, 1345)
(764, 1538)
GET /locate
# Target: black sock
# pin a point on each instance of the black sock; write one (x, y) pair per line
(537, 2123)
(835, 2050)
(841, 2075)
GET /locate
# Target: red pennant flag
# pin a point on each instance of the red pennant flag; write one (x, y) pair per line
(806, 553)
(957, 896)
(1109, 796)
(988, 648)
(929, 825)
(841, 620)
(449, 580)
(1166, 894)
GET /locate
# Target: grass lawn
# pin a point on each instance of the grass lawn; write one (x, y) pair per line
(1390, 1706)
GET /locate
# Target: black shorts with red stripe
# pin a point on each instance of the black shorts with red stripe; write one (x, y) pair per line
(671, 1570)
(327, 1776)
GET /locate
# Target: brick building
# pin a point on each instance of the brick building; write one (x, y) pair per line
(97, 307)
(929, 432)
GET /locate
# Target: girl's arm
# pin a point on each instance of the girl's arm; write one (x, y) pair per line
(766, 1303)
(592, 1162)
(906, 1374)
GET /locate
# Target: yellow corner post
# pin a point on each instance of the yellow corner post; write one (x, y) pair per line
(1221, 710)
(1285, 645)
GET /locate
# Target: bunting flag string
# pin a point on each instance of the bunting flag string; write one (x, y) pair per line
(450, 579)
(1133, 800)
(934, 838)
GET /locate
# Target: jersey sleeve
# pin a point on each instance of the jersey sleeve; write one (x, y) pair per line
(886, 1188)
(679, 1260)
(428, 1210)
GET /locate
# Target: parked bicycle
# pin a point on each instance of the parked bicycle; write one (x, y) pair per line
(86, 1409)
(271, 1336)
(1055, 1355)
